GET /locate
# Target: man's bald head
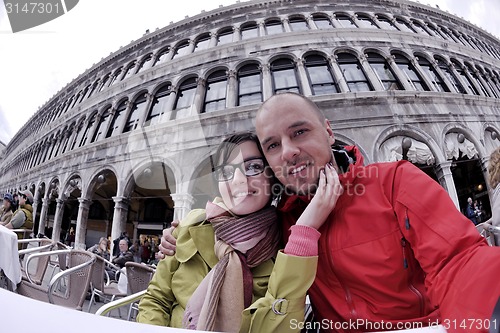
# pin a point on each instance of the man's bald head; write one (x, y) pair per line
(276, 99)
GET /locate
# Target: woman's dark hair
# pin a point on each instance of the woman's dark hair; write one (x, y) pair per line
(230, 143)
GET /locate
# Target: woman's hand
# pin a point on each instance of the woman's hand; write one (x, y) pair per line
(167, 244)
(324, 200)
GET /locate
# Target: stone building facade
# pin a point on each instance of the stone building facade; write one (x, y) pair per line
(127, 145)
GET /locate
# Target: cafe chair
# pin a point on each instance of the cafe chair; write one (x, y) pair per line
(101, 285)
(77, 277)
(42, 245)
(138, 277)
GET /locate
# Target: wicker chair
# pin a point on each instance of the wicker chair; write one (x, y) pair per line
(78, 279)
(138, 277)
(42, 245)
(105, 290)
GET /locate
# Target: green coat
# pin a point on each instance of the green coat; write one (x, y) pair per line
(177, 277)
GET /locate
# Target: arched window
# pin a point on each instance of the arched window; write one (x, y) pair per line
(86, 134)
(411, 73)
(284, 75)
(215, 95)
(457, 86)
(104, 82)
(298, 24)
(129, 71)
(83, 93)
(383, 72)
(137, 110)
(434, 30)
(162, 56)
(202, 42)
(114, 79)
(473, 73)
(491, 81)
(249, 30)
(420, 28)
(93, 89)
(437, 81)
(117, 119)
(320, 75)
(101, 128)
(385, 23)
(353, 72)
(447, 34)
(322, 21)
(159, 105)
(365, 21)
(78, 129)
(249, 85)
(461, 72)
(274, 26)
(225, 36)
(345, 21)
(181, 49)
(145, 63)
(404, 26)
(186, 93)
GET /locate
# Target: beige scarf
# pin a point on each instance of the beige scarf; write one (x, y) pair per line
(240, 244)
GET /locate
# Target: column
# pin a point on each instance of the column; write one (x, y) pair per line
(182, 204)
(119, 218)
(372, 77)
(267, 82)
(81, 223)
(443, 76)
(126, 113)
(167, 113)
(56, 231)
(34, 206)
(142, 118)
(403, 79)
(338, 75)
(311, 22)
(484, 168)
(445, 177)
(191, 46)
(236, 34)
(262, 28)
(304, 81)
(213, 39)
(232, 89)
(43, 215)
(286, 25)
(199, 97)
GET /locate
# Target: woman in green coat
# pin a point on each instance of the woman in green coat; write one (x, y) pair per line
(227, 274)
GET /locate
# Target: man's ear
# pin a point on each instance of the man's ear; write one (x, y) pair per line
(331, 136)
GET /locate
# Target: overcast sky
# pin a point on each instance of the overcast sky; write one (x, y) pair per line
(37, 63)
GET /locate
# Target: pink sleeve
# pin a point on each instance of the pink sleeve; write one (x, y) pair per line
(303, 241)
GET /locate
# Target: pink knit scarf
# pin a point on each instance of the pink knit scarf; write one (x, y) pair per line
(240, 244)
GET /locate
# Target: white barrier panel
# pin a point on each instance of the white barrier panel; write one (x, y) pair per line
(23, 314)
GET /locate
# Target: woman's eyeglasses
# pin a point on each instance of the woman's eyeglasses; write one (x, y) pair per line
(249, 168)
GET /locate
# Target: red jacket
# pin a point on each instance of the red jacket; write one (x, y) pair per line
(395, 250)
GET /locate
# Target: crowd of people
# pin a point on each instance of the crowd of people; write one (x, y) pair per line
(17, 211)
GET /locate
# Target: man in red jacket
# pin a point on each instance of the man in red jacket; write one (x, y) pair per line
(394, 253)
(394, 250)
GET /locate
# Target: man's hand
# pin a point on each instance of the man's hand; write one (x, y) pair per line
(167, 244)
(324, 200)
